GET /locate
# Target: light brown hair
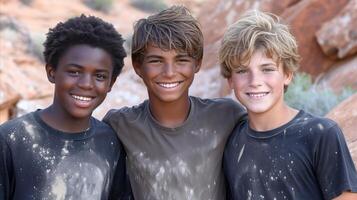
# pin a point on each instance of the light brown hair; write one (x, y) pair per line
(173, 28)
(258, 31)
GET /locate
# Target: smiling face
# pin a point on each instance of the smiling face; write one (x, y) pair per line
(259, 85)
(82, 79)
(166, 74)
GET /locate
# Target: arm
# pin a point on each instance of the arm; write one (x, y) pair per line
(346, 196)
(121, 188)
(6, 171)
(334, 166)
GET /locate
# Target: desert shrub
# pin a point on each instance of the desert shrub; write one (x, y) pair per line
(26, 2)
(100, 5)
(127, 43)
(149, 5)
(318, 100)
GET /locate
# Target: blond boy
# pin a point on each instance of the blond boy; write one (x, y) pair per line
(278, 152)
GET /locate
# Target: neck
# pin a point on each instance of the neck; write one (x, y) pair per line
(170, 114)
(57, 119)
(271, 119)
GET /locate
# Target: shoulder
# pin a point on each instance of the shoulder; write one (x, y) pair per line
(319, 127)
(16, 128)
(99, 125)
(103, 130)
(219, 103)
(319, 124)
(132, 112)
(17, 123)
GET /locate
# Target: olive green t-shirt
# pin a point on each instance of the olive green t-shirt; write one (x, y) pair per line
(182, 163)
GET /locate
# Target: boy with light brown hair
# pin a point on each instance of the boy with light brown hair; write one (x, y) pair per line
(174, 142)
(278, 152)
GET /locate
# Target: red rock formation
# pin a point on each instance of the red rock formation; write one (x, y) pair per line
(305, 18)
(345, 114)
(341, 75)
(338, 37)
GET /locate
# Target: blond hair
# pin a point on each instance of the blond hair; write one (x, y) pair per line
(173, 28)
(258, 31)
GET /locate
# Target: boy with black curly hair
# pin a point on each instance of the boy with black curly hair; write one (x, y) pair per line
(62, 152)
(174, 141)
(278, 152)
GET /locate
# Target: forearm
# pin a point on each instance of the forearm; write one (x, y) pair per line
(347, 196)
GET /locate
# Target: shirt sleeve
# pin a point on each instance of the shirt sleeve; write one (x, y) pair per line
(240, 112)
(107, 118)
(121, 188)
(333, 164)
(6, 171)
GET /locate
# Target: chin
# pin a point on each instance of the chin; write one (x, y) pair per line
(81, 114)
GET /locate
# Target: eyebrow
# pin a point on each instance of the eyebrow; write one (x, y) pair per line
(152, 56)
(73, 65)
(182, 55)
(268, 64)
(81, 67)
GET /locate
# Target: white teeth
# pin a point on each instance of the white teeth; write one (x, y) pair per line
(169, 85)
(257, 95)
(81, 98)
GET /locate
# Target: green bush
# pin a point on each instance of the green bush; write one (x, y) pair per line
(36, 45)
(127, 43)
(149, 5)
(26, 2)
(318, 100)
(100, 5)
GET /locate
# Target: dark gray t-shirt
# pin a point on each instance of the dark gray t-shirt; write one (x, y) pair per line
(183, 163)
(39, 162)
(306, 158)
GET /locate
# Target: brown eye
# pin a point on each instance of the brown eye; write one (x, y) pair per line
(155, 61)
(73, 73)
(101, 77)
(241, 71)
(268, 69)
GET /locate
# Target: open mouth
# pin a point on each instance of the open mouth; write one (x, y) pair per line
(257, 95)
(82, 98)
(169, 85)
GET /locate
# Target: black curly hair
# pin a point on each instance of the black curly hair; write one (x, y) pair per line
(88, 30)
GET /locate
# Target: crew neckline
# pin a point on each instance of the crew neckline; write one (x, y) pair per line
(274, 132)
(65, 135)
(168, 129)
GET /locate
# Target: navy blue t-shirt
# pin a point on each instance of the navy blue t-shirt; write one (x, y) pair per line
(306, 158)
(39, 162)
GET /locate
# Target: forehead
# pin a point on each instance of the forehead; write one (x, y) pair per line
(154, 50)
(257, 57)
(86, 55)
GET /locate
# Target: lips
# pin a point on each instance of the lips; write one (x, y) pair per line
(169, 85)
(82, 101)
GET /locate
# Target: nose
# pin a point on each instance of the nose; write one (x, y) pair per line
(255, 79)
(86, 81)
(169, 69)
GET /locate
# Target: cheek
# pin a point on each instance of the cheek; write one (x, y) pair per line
(187, 70)
(150, 71)
(102, 86)
(237, 82)
(277, 82)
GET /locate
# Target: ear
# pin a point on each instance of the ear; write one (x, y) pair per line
(137, 68)
(112, 83)
(230, 82)
(198, 65)
(50, 71)
(288, 77)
